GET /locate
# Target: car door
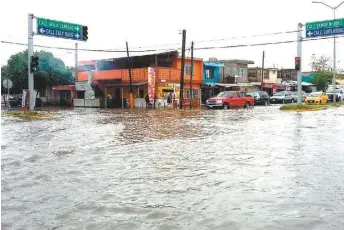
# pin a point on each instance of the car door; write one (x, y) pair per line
(234, 99)
(323, 98)
(288, 96)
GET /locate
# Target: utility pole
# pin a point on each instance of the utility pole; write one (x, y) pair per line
(334, 8)
(76, 62)
(181, 93)
(299, 54)
(131, 99)
(191, 74)
(262, 73)
(30, 54)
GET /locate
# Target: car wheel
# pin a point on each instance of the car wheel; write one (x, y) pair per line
(225, 106)
(247, 105)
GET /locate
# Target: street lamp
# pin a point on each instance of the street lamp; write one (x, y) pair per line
(334, 42)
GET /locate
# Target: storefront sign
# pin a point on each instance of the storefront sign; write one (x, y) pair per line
(151, 84)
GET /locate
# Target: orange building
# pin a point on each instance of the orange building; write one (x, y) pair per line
(110, 78)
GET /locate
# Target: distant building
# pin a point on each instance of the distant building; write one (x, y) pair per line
(287, 74)
(270, 75)
(235, 71)
(212, 72)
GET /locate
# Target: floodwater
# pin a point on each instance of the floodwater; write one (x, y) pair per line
(256, 168)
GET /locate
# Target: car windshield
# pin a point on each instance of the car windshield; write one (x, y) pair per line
(282, 93)
(223, 94)
(317, 94)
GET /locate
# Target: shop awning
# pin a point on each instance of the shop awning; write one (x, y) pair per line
(64, 87)
(220, 84)
(125, 84)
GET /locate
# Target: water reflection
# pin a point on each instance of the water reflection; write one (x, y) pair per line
(115, 169)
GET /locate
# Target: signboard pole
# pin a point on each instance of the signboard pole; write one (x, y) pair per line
(299, 54)
(76, 62)
(8, 94)
(30, 54)
(334, 61)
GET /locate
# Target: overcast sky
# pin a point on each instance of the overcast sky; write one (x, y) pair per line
(151, 23)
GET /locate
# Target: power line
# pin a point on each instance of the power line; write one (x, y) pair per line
(261, 44)
(90, 50)
(250, 36)
(165, 50)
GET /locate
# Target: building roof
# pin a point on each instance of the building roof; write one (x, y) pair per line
(213, 64)
(238, 61)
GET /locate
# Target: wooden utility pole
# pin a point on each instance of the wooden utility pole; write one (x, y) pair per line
(181, 92)
(131, 99)
(191, 75)
(262, 75)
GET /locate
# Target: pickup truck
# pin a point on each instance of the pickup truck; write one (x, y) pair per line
(228, 99)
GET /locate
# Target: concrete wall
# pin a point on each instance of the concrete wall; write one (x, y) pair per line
(95, 103)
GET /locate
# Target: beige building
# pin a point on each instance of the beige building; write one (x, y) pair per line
(270, 75)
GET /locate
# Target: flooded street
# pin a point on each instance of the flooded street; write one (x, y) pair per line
(256, 168)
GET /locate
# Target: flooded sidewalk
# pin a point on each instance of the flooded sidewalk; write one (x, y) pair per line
(256, 168)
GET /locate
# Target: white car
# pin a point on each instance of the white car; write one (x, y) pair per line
(338, 92)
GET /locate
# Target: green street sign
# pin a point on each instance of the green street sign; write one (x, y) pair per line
(329, 24)
(325, 28)
(52, 28)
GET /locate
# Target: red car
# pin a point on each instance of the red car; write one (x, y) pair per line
(228, 99)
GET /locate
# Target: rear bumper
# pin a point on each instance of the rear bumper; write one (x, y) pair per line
(272, 101)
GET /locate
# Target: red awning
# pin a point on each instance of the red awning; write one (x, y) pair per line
(64, 87)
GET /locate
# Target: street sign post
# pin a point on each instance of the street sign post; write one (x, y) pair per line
(58, 29)
(325, 28)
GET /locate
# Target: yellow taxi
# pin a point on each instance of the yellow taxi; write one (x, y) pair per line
(316, 98)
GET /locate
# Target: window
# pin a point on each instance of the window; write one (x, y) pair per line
(81, 94)
(187, 69)
(234, 94)
(240, 72)
(141, 92)
(209, 73)
(187, 93)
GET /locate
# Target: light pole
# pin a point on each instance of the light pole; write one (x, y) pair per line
(334, 43)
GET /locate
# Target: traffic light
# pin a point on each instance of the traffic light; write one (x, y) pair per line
(84, 33)
(34, 64)
(297, 63)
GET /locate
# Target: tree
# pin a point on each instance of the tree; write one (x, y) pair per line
(320, 64)
(322, 80)
(52, 71)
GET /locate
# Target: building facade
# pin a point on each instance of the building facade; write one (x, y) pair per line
(270, 75)
(287, 74)
(156, 75)
(235, 71)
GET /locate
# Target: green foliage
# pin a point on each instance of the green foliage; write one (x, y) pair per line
(52, 71)
(305, 107)
(322, 81)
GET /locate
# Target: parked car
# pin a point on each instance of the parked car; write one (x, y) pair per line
(282, 97)
(316, 98)
(339, 93)
(228, 99)
(15, 100)
(260, 97)
(303, 95)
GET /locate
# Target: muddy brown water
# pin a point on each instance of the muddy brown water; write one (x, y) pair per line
(256, 168)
